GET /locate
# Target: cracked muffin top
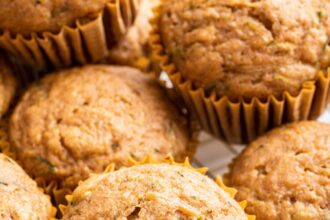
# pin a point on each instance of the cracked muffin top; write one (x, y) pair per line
(20, 197)
(285, 173)
(78, 121)
(152, 191)
(34, 16)
(246, 48)
(8, 85)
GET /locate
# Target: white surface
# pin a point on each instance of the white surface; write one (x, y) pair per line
(216, 155)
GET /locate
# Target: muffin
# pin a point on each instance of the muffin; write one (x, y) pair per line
(132, 48)
(20, 197)
(61, 33)
(285, 173)
(152, 191)
(4, 138)
(79, 120)
(8, 85)
(254, 54)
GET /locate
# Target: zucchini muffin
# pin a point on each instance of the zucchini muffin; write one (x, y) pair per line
(8, 85)
(20, 197)
(77, 121)
(152, 191)
(247, 48)
(285, 173)
(134, 44)
(35, 16)
(48, 34)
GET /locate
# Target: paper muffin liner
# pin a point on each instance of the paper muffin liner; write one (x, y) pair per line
(193, 124)
(83, 43)
(243, 120)
(169, 160)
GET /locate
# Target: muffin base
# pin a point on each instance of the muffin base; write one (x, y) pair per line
(84, 43)
(243, 120)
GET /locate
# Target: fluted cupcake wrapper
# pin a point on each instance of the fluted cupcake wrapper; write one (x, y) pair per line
(243, 120)
(84, 43)
(168, 160)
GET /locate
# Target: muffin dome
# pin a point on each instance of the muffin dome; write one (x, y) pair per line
(152, 191)
(28, 16)
(285, 173)
(77, 121)
(247, 48)
(7, 85)
(20, 197)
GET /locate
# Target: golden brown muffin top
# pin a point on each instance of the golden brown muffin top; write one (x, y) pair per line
(246, 48)
(285, 174)
(8, 85)
(20, 197)
(152, 191)
(34, 16)
(80, 120)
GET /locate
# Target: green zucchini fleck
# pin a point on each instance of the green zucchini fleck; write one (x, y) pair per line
(50, 167)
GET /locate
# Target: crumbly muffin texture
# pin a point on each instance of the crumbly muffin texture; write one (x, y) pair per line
(20, 197)
(8, 85)
(134, 44)
(152, 191)
(80, 120)
(285, 174)
(247, 48)
(31, 16)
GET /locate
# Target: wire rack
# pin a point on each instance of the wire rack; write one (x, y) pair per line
(216, 155)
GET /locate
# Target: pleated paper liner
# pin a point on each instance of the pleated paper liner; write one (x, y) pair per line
(83, 43)
(241, 121)
(6, 150)
(169, 160)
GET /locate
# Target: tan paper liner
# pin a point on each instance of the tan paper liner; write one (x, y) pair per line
(81, 44)
(5, 149)
(169, 160)
(241, 121)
